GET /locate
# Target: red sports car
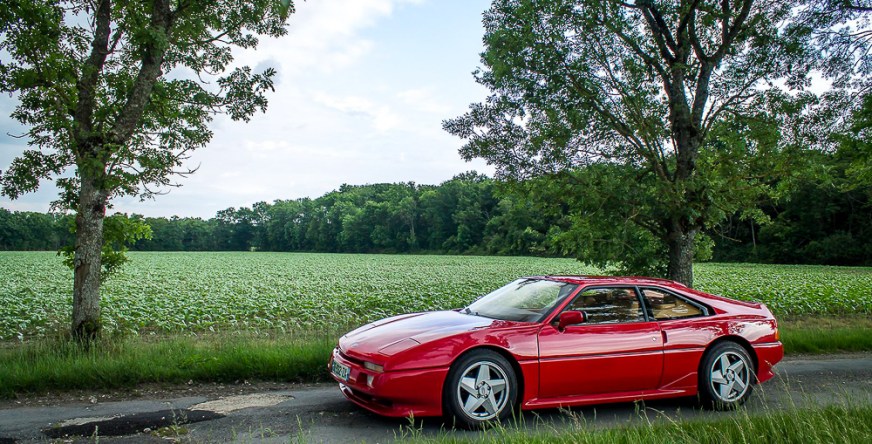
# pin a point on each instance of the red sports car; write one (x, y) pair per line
(555, 341)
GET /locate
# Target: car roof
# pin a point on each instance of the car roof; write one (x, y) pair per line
(611, 280)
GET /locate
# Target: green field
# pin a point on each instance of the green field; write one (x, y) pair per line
(193, 292)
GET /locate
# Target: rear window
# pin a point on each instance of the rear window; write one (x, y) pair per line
(665, 305)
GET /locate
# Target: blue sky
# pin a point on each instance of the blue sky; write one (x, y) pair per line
(363, 88)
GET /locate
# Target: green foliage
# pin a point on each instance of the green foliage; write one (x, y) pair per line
(691, 107)
(33, 231)
(821, 213)
(96, 98)
(119, 94)
(818, 216)
(401, 217)
(230, 292)
(855, 148)
(829, 340)
(119, 232)
(601, 230)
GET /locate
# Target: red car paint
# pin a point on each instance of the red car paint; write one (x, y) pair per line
(583, 364)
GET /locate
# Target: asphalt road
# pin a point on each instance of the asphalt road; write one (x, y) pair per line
(319, 413)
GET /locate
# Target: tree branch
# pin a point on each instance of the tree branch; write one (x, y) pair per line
(150, 70)
(694, 39)
(647, 58)
(729, 32)
(852, 7)
(87, 83)
(700, 95)
(712, 116)
(688, 17)
(657, 32)
(662, 27)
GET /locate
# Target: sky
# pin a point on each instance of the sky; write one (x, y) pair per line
(362, 89)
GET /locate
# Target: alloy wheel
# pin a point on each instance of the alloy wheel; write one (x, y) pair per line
(483, 391)
(730, 376)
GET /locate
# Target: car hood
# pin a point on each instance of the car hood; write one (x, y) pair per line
(399, 333)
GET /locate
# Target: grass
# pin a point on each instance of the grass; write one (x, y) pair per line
(837, 423)
(56, 364)
(826, 334)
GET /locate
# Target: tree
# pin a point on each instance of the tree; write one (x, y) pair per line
(660, 88)
(121, 92)
(119, 232)
(855, 146)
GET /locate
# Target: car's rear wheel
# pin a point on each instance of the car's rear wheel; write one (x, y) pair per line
(481, 387)
(726, 376)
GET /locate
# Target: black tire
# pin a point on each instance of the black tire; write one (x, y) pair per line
(726, 376)
(481, 388)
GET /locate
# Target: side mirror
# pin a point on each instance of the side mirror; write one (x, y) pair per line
(570, 317)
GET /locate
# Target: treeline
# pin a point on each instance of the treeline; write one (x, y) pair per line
(821, 220)
(464, 215)
(24, 230)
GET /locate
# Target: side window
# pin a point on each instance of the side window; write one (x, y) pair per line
(665, 305)
(608, 305)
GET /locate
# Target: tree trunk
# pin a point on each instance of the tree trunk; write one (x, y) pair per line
(680, 242)
(87, 261)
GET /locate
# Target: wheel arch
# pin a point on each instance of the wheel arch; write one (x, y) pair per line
(742, 342)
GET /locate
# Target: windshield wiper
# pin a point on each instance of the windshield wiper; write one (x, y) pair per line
(470, 312)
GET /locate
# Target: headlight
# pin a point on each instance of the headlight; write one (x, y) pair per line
(373, 367)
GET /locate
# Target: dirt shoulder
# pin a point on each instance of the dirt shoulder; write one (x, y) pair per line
(148, 391)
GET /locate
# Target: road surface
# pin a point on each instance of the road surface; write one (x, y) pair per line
(319, 413)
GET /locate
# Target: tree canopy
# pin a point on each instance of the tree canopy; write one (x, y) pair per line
(817, 219)
(114, 95)
(692, 107)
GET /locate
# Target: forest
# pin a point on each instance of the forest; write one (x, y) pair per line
(823, 217)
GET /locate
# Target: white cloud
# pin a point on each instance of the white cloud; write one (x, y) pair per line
(349, 105)
(383, 118)
(423, 99)
(323, 35)
(362, 88)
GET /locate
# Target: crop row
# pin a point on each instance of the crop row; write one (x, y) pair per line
(193, 292)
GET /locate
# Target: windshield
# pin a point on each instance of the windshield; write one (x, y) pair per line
(524, 300)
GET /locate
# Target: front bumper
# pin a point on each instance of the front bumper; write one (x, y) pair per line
(392, 393)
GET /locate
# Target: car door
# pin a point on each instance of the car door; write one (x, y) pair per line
(616, 350)
(685, 331)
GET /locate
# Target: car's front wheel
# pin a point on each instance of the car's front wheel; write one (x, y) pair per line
(726, 376)
(481, 387)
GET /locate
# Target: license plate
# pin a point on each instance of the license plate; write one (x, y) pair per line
(341, 371)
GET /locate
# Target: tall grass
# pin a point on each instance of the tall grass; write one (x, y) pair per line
(826, 334)
(831, 424)
(52, 364)
(59, 364)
